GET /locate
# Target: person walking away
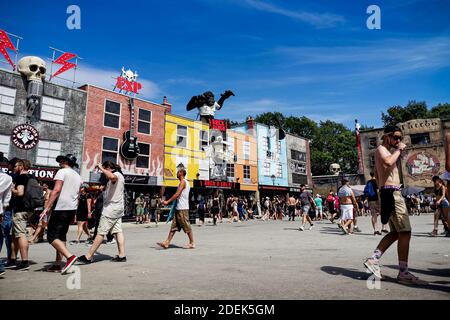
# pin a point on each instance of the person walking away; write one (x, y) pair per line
(307, 202)
(348, 205)
(393, 208)
(65, 194)
(84, 213)
(201, 210)
(112, 213)
(331, 207)
(181, 218)
(291, 208)
(442, 206)
(42, 224)
(215, 208)
(5, 198)
(139, 203)
(319, 209)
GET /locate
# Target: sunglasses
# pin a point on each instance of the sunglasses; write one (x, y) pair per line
(397, 138)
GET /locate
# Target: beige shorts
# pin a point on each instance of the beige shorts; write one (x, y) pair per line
(20, 220)
(107, 225)
(374, 207)
(399, 220)
(181, 221)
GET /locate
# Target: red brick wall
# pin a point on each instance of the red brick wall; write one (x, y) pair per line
(95, 131)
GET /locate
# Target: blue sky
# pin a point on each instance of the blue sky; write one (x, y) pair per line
(312, 58)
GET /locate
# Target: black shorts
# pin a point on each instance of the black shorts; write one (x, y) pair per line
(82, 216)
(215, 210)
(291, 210)
(58, 225)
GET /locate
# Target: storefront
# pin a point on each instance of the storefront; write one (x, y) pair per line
(43, 175)
(272, 191)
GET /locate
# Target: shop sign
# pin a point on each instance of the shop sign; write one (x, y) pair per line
(127, 82)
(142, 180)
(46, 174)
(276, 188)
(422, 165)
(219, 125)
(25, 136)
(216, 184)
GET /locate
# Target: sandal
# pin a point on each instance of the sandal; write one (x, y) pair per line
(190, 246)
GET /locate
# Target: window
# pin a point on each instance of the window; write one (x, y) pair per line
(230, 170)
(110, 149)
(420, 138)
(372, 143)
(267, 168)
(203, 140)
(246, 172)
(278, 146)
(372, 161)
(143, 160)
(265, 142)
(53, 109)
(181, 136)
(299, 179)
(7, 98)
(112, 114)
(297, 155)
(230, 145)
(145, 121)
(279, 170)
(4, 144)
(246, 150)
(47, 153)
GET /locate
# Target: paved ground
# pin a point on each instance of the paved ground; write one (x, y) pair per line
(252, 260)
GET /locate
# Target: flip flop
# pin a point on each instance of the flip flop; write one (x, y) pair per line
(162, 245)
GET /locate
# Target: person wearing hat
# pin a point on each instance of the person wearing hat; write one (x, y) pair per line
(139, 202)
(393, 207)
(65, 195)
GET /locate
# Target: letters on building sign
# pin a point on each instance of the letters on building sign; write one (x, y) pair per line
(422, 165)
(25, 136)
(220, 125)
(216, 184)
(422, 124)
(124, 84)
(46, 174)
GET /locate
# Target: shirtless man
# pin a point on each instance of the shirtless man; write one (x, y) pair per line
(291, 206)
(393, 207)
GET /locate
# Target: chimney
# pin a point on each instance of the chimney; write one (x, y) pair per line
(167, 105)
(250, 125)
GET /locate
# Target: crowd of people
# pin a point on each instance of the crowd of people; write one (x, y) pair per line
(98, 213)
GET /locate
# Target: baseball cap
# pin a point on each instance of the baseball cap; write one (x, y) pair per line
(391, 129)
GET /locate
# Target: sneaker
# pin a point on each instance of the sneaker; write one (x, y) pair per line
(11, 264)
(69, 264)
(74, 242)
(113, 241)
(374, 267)
(311, 227)
(119, 259)
(384, 231)
(23, 266)
(378, 233)
(54, 268)
(84, 260)
(301, 228)
(409, 278)
(2, 272)
(356, 229)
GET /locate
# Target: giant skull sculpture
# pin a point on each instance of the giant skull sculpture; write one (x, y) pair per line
(33, 68)
(335, 169)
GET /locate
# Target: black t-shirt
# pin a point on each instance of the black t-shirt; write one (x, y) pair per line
(17, 202)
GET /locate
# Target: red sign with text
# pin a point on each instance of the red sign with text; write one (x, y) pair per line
(129, 86)
(220, 125)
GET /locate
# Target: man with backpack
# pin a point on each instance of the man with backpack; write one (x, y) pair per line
(371, 193)
(27, 196)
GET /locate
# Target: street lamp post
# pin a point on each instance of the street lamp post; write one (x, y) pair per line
(273, 182)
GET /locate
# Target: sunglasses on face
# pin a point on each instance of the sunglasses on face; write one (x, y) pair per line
(397, 138)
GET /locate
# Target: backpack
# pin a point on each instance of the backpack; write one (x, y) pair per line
(33, 197)
(369, 190)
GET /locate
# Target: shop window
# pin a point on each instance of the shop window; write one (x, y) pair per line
(112, 114)
(204, 138)
(420, 138)
(145, 121)
(181, 136)
(4, 144)
(143, 160)
(7, 98)
(53, 109)
(373, 143)
(230, 170)
(47, 152)
(110, 149)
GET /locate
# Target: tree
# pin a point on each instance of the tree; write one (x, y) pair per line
(397, 114)
(441, 111)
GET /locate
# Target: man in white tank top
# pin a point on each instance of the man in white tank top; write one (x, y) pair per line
(181, 217)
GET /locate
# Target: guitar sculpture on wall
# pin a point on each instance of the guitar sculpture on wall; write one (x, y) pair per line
(130, 148)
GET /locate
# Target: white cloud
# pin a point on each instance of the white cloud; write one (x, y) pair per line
(318, 20)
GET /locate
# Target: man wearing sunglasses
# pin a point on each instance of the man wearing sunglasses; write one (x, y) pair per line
(393, 207)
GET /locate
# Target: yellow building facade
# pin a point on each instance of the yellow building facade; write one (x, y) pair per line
(186, 141)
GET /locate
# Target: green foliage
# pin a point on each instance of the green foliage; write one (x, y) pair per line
(414, 110)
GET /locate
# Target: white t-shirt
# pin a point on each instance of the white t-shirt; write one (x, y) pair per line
(68, 198)
(113, 203)
(183, 199)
